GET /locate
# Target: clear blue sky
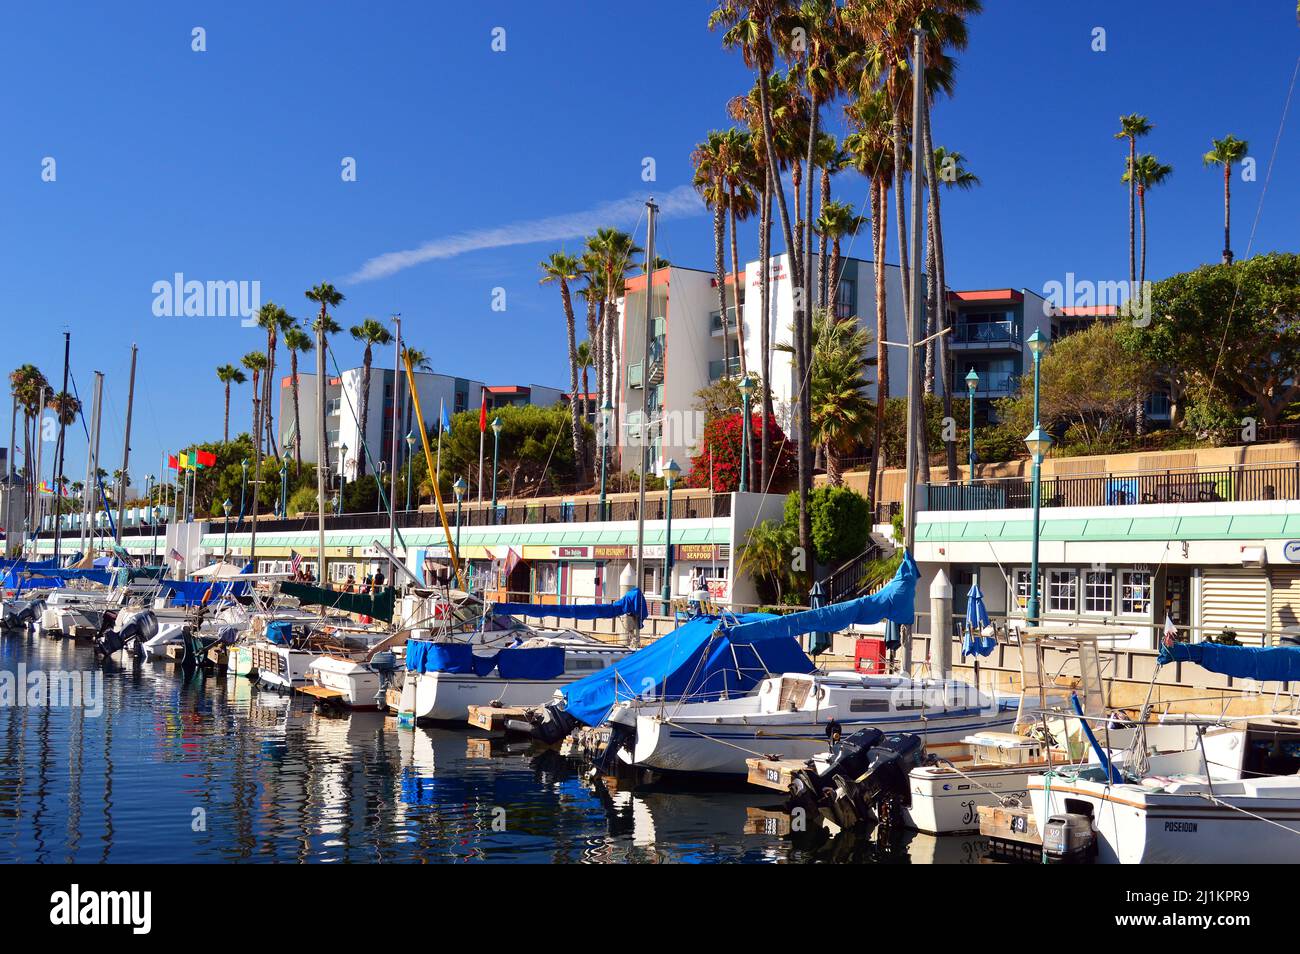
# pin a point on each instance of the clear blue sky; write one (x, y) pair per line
(225, 165)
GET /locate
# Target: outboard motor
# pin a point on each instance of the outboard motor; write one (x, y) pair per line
(25, 616)
(384, 663)
(865, 780)
(1069, 839)
(548, 724)
(134, 626)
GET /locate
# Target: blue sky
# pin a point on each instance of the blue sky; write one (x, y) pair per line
(225, 165)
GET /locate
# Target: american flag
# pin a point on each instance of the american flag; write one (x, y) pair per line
(295, 558)
(175, 554)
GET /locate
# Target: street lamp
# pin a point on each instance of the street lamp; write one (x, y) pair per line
(243, 488)
(671, 473)
(972, 385)
(1038, 442)
(410, 456)
(153, 541)
(225, 542)
(746, 387)
(606, 410)
(284, 488)
(496, 446)
(459, 487)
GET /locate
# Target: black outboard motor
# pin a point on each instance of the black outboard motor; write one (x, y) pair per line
(130, 626)
(25, 617)
(865, 780)
(547, 725)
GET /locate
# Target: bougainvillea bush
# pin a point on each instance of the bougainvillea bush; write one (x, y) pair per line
(719, 456)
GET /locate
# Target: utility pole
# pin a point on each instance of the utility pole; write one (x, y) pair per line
(321, 454)
(643, 425)
(916, 320)
(126, 450)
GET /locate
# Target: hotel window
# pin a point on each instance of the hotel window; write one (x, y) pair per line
(846, 298)
(1062, 591)
(1099, 592)
(1135, 593)
(1020, 597)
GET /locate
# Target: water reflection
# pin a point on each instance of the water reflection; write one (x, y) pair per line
(212, 768)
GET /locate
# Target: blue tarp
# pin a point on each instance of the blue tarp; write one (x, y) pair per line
(95, 576)
(895, 601)
(700, 660)
(1261, 663)
(190, 592)
(544, 662)
(631, 604)
(977, 617)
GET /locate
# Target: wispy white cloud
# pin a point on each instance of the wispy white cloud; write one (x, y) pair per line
(681, 201)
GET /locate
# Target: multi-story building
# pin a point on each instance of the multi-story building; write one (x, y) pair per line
(989, 330)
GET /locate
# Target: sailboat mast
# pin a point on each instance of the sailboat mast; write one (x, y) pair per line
(58, 463)
(38, 505)
(916, 320)
(397, 435)
(92, 465)
(126, 450)
(322, 456)
(643, 426)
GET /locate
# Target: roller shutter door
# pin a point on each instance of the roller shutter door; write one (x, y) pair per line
(1237, 601)
(1284, 602)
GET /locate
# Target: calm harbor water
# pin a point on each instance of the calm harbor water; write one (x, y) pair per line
(215, 769)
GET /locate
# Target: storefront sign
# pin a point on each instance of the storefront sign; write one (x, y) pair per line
(573, 553)
(1291, 551)
(611, 553)
(704, 552)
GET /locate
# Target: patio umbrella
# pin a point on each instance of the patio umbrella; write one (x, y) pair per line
(980, 639)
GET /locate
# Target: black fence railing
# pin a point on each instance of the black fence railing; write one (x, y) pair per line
(512, 513)
(1200, 485)
(846, 581)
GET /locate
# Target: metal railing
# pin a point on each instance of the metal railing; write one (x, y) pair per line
(846, 581)
(986, 333)
(1190, 485)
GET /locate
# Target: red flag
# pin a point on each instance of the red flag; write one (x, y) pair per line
(482, 412)
(207, 459)
(171, 462)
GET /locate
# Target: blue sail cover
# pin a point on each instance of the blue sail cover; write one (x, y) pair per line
(190, 592)
(1261, 663)
(700, 660)
(459, 659)
(895, 601)
(631, 604)
(974, 643)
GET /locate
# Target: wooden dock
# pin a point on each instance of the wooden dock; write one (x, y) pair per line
(776, 774)
(1012, 832)
(320, 693)
(494, 718)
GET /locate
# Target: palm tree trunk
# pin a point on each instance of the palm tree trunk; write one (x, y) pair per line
(879, 229)
(1132, 192)
(1227, 213)
(833, 473)
(579, 450)
(940, 278)
(1142, 212)
(804, 325)
(225, 426)
(737, 282)
(363, 415)
(297, 415)
(765, 326)
(719, 275)
(900, 212)
(823, 274)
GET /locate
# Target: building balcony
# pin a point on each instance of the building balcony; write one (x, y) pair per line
(719, 368)
(1251, 482)
(715, 322)
(992, 384)
(986, 336)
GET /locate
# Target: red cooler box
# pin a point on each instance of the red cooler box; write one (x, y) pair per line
(869, 655)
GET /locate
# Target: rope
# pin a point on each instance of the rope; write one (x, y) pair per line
(1220, 803)
(678, 725)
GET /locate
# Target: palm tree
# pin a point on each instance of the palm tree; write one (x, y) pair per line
(710, 161)
(1131, 127)
(370, 333)
(1149, 172)
(298, 342)
(228, 374)
(327, 296)
(841, 412)
(586, 360)
(255, 362)
(836, 221)
(564, 268)
(737, 174)
(613, 251)
(1226, 152)
(274, 320)
(766, 553)
(66, 408)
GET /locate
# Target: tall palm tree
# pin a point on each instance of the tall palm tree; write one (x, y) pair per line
(327, 296)
(564, 268)
(1226, 152)
(370, 333)
(614, 250)
(1149, 172)
(27, 384)
(255, 362)
(273, 320)
(586, 362)
(66, 408)
(841, 412)
(297, 342)
(228, 374)
(593, 293)
(709, 159)
(836, 221)
(737, 174)
(1131, 127)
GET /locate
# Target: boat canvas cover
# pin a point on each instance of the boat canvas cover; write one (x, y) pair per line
(894, 602)
(700, 660)
(1261, 663)
(543, 662)
(377, 606)
(631, 603)
(192, 592)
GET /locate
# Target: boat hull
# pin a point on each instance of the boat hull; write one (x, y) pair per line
(445, 697)
(361, 686)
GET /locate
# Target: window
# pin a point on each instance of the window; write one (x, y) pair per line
(339, 572)
(1135, 593)
(547, 579)
(1062, 591)
(1099, 591)
(1020, 596)
(846, 298)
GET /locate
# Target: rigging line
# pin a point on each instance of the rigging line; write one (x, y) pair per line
(1215, 800)
(1259, 211)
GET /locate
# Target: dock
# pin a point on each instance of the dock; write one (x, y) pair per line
(320, 693)
(776, 774)
(1012, 832)
(494, 719)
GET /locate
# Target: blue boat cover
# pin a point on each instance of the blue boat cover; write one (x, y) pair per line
(1261, 663)
(630, 604)
(895, 601)
(700, 660)
(190, 592)
(973, 643)
(279, 631)
(543, 662)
